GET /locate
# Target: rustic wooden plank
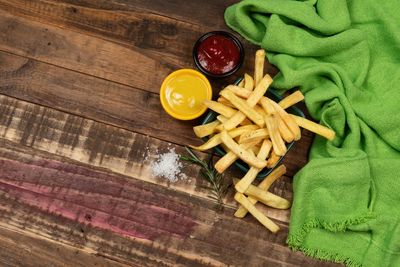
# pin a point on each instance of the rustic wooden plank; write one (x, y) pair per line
(128, 220)
(91, 97)
(205, 13)
(119, 150)
(133, 27)
(134, 23)
(72, 92)
(21, 248)
(144, 48)
(83, 53)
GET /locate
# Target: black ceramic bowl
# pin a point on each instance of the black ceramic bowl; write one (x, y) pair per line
(244, 167)
(229, 36)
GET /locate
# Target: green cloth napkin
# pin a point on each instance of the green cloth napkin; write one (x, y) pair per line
(345, 58)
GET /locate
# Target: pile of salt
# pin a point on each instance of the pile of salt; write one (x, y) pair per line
(168, 166)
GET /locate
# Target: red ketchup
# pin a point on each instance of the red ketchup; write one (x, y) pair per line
(218, 54)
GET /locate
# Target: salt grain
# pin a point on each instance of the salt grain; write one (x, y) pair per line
(168, 166)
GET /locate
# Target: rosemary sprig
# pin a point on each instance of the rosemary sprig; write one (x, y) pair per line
(217, 187)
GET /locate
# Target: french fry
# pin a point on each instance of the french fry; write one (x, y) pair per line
(242, 153)
(239, 91)
(246, 122)
(266, 197)
(267, 106)
(233, 121)
(248, 82)
(220, 108)
(242, 106)
(270, 107)
(225, 102)
(251, 136)
(314, 127)
(255, 149)
(252, 100)
(222, 118)
(273, 159)
(264, 220)
(242, 129)
(223, 163)
(264, 185)
(216, 139)
(260, 110)
(259, 66)
(285, 132)
(289, 121)
(259, 91)
(241, 84)
(244, 183)
(277, 141)
(206, 129)
(212, 142)
(291, 99)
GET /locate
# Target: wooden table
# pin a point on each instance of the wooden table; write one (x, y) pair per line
(81, 124)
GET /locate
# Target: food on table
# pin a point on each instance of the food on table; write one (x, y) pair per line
(266, 197)
(258, 66)
(264, 220)
(264, 185)
(314, 127)
(216, 139)
(255, 129)
(242, 153)
(183, 93)
(218, 54)
(230, 157)
(251, 175)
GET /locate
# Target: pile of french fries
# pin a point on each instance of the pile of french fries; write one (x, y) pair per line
(255, 129)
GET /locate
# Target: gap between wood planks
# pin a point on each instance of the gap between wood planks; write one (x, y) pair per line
(21, 248)
(89, 97)
(71, 52)
(95, 58)
(151, 42)
(33, 142)
(207, 239)
(101, 145)
(98, 20)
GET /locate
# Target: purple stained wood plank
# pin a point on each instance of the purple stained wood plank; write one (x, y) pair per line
(92, 198)
(81, 205)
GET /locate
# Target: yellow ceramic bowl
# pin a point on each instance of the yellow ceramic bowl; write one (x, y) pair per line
(183, 92)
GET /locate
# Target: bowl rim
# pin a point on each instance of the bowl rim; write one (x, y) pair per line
(164, 102)
(226, 34)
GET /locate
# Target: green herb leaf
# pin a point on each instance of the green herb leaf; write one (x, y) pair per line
(217, 187)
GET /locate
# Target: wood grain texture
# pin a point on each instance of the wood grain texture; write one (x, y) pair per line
(206, 13)
(160, 39)
(118, 150)
(82, 53)
(21, 248)
(81, 126)
(91, 97)
(127, 220)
